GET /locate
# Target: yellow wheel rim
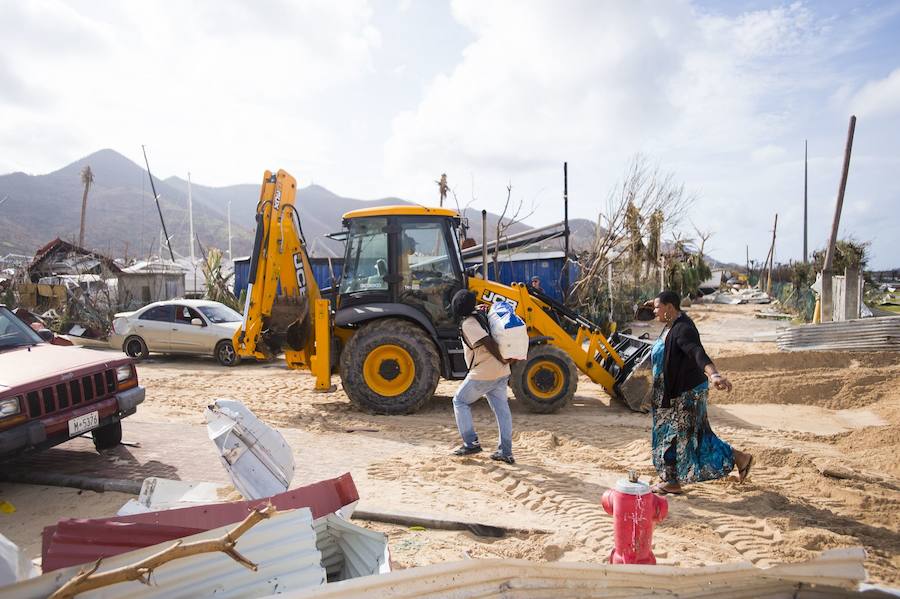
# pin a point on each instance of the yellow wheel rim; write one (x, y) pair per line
(545, 379)
(389, 370)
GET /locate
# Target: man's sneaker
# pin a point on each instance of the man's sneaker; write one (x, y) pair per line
(468, 450)
(503, 458)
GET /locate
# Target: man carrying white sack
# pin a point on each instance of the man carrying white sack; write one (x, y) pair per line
(488, 376)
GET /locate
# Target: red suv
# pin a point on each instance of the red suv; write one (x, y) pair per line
(51, 393)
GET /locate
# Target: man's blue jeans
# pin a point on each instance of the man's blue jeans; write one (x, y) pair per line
(471, 391)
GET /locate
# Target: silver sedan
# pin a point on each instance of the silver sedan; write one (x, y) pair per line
(197, 327)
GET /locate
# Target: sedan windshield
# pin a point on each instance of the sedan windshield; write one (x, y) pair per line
(14, 332)
(219, 314)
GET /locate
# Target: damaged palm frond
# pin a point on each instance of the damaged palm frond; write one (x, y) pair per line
(88, 580)
(218, 287)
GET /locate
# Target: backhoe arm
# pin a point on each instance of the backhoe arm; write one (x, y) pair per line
(283, 309)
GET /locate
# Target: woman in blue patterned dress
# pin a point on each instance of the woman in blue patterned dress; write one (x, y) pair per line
(685, 449)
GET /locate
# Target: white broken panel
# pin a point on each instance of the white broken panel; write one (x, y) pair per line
(14, 564)
(164, 494)
(257, 457)
(283, 547)
(350, 551)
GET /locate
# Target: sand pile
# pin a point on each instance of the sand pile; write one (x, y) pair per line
(825, 429)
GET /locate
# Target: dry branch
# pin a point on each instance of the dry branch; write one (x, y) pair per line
(503, 227)
(87, 580)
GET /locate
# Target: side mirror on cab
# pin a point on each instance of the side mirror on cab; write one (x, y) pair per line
(45, 334)
(196, 322)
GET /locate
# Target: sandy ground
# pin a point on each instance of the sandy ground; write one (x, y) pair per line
(800, 414)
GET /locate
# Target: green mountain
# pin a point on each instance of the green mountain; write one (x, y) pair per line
(122, 219)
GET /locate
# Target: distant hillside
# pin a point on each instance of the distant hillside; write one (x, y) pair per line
(122, 218)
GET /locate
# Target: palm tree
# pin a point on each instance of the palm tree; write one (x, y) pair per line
(87, 177)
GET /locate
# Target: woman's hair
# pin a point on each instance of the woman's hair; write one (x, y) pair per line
(670, 297)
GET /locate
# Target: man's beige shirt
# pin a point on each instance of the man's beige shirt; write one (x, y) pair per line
(485, 367)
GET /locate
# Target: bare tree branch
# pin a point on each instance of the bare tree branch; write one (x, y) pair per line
(87, 580)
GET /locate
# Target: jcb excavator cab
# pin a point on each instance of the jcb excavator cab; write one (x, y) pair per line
(401, 268)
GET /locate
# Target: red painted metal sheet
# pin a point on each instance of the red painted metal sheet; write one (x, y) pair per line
(88, 540)
(74, 542)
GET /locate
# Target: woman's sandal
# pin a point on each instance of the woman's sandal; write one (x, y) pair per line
(660, 489)
(744, 472)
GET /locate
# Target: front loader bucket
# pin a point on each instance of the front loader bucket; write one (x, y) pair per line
(634, 380)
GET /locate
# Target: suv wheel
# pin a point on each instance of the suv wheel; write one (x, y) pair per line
(134, 347)
(107, 437)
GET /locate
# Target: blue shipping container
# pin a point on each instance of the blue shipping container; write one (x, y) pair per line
(549, 270)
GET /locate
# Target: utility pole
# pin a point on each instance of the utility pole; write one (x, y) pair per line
(772, 257)
(827, 297)
(805, 168)
(87, 177)
(565, 272)
(484, 271)
(748, 266)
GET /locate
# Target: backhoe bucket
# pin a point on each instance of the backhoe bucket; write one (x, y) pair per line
(634, 381)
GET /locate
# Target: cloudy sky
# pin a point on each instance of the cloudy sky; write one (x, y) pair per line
(376, 99)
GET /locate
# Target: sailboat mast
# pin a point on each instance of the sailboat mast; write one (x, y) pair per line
(191, 224)
(230, 257)
(191, 217)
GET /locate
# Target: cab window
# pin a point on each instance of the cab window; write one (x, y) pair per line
(429, 278)
(366, 264)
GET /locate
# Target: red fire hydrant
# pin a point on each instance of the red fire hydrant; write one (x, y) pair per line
(635, 510)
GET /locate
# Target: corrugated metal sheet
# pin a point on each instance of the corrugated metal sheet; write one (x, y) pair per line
(321, 272)
(284, 548)
(350, 551)
(74, 542)
(323, 498)
(523, 268)
(835, 573)
(863, 334)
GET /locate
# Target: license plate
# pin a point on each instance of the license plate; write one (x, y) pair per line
(84, 423)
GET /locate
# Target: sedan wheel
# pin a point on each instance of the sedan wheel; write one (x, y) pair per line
(226, 355)
(134, 347)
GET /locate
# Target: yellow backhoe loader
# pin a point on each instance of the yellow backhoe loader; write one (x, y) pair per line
(388, 329)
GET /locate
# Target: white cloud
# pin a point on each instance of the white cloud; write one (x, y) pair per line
(718, 100)
(245, 79)
(768, 153)
(879, 98)
(495, 93)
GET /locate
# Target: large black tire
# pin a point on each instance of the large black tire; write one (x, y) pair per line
(390, 366)
(107, 437)
(546, 381)
(135, 347)
(226, 354)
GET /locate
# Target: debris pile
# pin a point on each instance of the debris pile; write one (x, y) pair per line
(743, 296)
(864, 334)
(199, 538)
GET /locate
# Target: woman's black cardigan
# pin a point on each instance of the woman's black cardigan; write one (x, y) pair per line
(684, 359)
